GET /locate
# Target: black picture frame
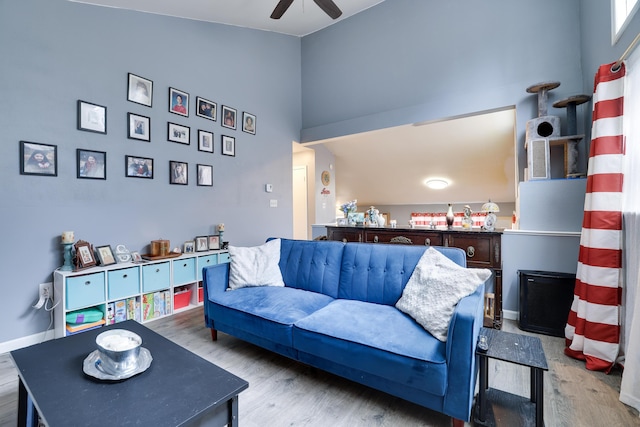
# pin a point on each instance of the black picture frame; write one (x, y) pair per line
(138, 167)
(205, 175)
(178, 102)
(38, 159)
(229, 117)
(178, 172)
(205, 141)
(88, 168)
(248, 123)
(92, 117)
(139, 90)
(206, 109)
(139, 127)
(178, 133)
(214, 242)
(202, 243)
(105, 255)
(228, 146)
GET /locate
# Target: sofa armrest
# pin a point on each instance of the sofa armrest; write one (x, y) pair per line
(461, 358)
(215, 279)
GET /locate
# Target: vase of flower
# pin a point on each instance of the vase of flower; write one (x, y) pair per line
(349, 207)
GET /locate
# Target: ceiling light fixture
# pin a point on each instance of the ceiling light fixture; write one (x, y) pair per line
(436, 183)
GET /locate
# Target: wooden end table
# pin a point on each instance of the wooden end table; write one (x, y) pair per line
(523, 350)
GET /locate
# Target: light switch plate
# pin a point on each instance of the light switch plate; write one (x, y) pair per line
(268, 188)
(273, 203)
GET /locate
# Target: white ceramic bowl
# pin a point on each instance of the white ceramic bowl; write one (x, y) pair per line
(119, 350)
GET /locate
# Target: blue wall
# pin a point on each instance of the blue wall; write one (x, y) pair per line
(55, 52)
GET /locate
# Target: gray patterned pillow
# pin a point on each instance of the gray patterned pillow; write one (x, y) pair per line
(255, 266)
(434, 289)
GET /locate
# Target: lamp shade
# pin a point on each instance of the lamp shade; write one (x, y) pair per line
(490, 207)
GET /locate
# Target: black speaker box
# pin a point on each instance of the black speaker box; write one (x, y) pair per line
(545, 301)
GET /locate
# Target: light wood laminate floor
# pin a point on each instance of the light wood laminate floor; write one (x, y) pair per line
(286, 393)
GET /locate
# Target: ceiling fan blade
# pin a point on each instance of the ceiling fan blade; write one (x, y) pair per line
(329, 8)
(280, 9)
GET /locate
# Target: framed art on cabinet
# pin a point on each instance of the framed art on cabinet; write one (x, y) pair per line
(178, 133)
(248, 123)
(228, 145)
(206, 109)
(178, 173)
(202, 243)
(205, 175)
(138, 167)
(189, 247)
(92, 117)
(139, 90)
(229, 117)
(178, 102)
(214, 243)
(91, 164)
(205, 141)
(139, 127)
(38, 159)
(105, 255)
(84, 255)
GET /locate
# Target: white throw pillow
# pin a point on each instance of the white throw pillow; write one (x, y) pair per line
(434, 289)
(255, 266)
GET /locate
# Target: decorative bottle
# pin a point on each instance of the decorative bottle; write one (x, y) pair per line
(450, 217)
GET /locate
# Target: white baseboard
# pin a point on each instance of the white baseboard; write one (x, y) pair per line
(509, 314)
(18, 343)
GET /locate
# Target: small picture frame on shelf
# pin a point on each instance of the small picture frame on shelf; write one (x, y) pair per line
(248, 123)
(189, 247)
(139, 127)
(84, 255)
(178, 133)
(139, 90)
(105, 255)
(229, 117)
(38, 159)
(138, 167)
(178, 102)
(206, 109)
(214, 242)
(205, 175)
(178, 172)
(92, 117)
(202, 243)
(136, 258)
(228, 146)
(205, 141)
(91, 164)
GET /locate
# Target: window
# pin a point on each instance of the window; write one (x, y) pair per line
(621, 13)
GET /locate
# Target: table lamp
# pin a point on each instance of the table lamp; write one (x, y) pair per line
(490, 220)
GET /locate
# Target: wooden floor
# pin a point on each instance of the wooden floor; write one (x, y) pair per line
(286, 393)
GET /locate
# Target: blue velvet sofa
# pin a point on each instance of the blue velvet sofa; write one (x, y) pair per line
(337, 312)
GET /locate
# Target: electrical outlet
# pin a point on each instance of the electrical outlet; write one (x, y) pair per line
(46, 290)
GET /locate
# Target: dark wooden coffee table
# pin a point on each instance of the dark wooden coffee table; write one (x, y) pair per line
(179, 388)
(496, 407)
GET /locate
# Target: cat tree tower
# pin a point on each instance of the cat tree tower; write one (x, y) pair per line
(544, 131)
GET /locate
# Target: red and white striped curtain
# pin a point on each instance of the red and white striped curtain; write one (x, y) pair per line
(593, 327)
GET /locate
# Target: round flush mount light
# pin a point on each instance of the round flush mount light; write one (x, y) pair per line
(436, 183)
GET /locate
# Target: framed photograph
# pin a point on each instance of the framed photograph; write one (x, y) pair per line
(189, 247)
(139, 127)
(136, 257)
(178, 173)
(38, 159)
(202, 243)
(179, 133)
(206, 109)
(84, 255)
(205, 141)
(91, 164)
(229, 117)
(205, 175)
(140, 90)
(138, 167)
(214, 243)
(248, 123)
(105, 255)
(228, 145)
(178, 102)
(92, 117)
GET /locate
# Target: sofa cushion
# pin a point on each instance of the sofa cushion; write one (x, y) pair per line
(378, 339)
(255, 266)
(266, 311)
(436, 285)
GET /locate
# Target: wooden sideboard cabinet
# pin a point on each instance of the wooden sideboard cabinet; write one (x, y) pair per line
(482, 249)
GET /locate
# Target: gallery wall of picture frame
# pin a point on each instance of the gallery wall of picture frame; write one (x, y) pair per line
(42, 159)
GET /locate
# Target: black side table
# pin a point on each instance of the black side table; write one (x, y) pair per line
(514, 410)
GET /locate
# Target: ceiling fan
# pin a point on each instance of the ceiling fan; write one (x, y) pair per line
(328, 6)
